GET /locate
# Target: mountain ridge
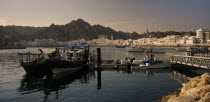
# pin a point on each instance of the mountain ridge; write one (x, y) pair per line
(80, 29)
(74, 30)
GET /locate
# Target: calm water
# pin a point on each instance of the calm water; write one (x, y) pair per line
(92, 86)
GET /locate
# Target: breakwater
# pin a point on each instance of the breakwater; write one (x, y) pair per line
(196, 90)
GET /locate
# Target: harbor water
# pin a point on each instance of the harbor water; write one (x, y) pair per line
(90, 86)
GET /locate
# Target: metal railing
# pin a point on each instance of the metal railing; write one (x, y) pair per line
(196, 61)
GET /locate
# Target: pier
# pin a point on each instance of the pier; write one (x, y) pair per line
(195, 61)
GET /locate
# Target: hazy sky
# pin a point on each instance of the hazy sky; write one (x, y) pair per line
(124, 15)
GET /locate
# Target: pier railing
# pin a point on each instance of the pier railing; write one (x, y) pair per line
(196, 61)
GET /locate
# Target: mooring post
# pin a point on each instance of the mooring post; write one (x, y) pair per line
(99, 57)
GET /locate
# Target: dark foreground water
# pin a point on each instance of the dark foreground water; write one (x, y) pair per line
(91, 86)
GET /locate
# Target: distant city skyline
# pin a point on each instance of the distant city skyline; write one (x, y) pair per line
(123, 15)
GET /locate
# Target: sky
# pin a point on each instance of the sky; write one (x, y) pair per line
(123, 15)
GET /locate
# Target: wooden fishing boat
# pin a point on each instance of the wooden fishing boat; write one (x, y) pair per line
(50, 62)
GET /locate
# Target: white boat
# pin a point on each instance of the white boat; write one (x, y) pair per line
(136, 49)
(156, 66)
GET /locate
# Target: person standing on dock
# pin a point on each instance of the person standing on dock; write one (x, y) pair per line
(187, 53)
(93, 57)
(152, 57)
(63, 54)
(74, 55)
(147, 56)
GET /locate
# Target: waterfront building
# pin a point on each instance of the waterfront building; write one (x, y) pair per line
(127, 42)
(143, 41)
(136, 42)
(159, 41)
(103, 41)
(190, 40)
(203, 35)
(24, 43)
(44, 42)
(171, 39)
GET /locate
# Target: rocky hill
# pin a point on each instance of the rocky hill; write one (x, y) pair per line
(78, 29)
(8, 35)
(74, 30)
(26, 30)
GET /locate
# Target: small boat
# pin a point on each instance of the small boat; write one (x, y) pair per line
(136, 49)
(50, 62)
(146, 64)
(156, 66)
(120, 46)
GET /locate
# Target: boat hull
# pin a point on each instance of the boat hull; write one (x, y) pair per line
(38, 69)
(63, 72)
(158, 66)
(53, 68)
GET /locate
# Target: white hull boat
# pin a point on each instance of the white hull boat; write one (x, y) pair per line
(136, 49)
(156, 66)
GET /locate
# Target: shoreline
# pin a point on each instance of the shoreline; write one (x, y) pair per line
(145, 45)
(161, 45)
(13, 47)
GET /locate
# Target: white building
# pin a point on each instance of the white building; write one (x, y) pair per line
(44, 42)
(24, 43)
(103, 41)
(171, 39)
(189, 40)
(203, 34)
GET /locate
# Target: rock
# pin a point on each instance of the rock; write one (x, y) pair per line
(206, 98)
(182, 99)
(197, 93)
(197, 89)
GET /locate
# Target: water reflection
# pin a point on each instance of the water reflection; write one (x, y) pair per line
(149, 74)
(99, 79)
(183, 75)
(31, 84)
(125, 85)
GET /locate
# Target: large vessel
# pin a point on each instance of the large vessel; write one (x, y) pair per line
(55, 63)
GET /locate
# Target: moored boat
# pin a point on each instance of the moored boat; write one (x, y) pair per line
(120, 46)
(136, 49)
(54, 63)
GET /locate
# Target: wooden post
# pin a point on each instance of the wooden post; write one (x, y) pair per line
(99, 57)
(29, 57)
